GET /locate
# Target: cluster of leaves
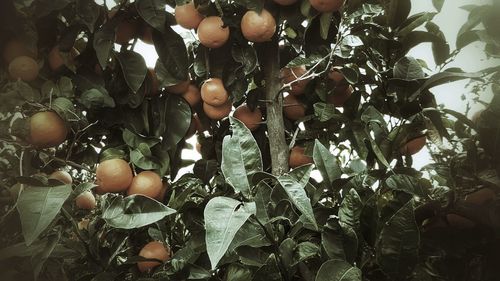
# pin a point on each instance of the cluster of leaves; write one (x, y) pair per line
(230, 219)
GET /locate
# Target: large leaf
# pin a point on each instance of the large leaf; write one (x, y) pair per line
(396, 11)
(298, 196)
(246, 56)
(398, 244)
(326, 163)
(405, 183)
(414, 22)
(223, 218)
(350, 210)
(241, 157)
(440, 48)
(133, 211)
(338, 270)
(104, 40)
(38, 206)
(134, 69)
(153, 12)
(408, 68)
(173, 56)
(173, 114)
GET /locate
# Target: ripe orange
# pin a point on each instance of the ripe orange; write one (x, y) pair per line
(285, 2)
(459, 222)
(326, 6)
(85, 200)
(162, 192)
(179, 88)
(481, 196)
(194, 127)
(218, 112)
(340, 95)
(126, 30)
(258, 27)
(113, 175)
(251, 119)
(15, 48)
(155, 84)
(293, 108)
(298, 158)
(47, 129)
(146, 183)
(413, 146)
(336, 76)
(291, 74)
(188, 16)
(62, 176)
(213, 92)
(153, 250)
(212, 33)
(147, 34)
(24, 68)
(56, 59)
(192, 95)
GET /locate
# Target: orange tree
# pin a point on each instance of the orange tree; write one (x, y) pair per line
(91, 143)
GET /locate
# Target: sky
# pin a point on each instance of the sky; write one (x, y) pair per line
(450, 20)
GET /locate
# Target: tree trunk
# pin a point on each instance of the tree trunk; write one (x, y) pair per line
(275, 123)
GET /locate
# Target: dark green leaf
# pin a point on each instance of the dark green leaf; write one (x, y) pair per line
(414, 22)
(173, 55)
(438, 4)
(246, 56)
(350, 210)
(325, 22)
(133, 67)
(153, 12)
(408, 68)
(94, 98)
(397, 11)
(326, 163)
(104, 41)
(338, 270)
(405, 183)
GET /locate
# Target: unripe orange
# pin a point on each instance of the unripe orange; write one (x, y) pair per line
(213, 92)
(153, 250)
(47, 129)
(24, 68)
(251, 119)
(146, 183)
(85, 200)
(62, 176)
(212, 33)
(258, 27)
(188, 16)
(293, 108)
(298, 158)
(113, 175)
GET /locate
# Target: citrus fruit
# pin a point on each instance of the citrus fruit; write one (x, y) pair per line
(340, 95)
(336, 76)
(213, 92)
(481, 196)
(289, 75)
(285, 2)
(192, 95)
(218, 112)
(179, 88)
(293, 108)
(85, 200)
(113, 175)
(15, 48)
(258, 27)
(251, 119)
(413, 146)
(163, 191)
(459, 222)
(24, 68)
(155, 84)
(153, 250)
(147, 34)
(188, 16)
(326, 6)
(298, 158)
(126, 30)
(146, 183)
(57, 60)
(47, 129)
(62, 176)
(212, 33)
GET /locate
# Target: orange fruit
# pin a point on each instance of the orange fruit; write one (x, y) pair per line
(126, 30)
(15, 48)
(212, 33)
(291, 74)
(459, 222)
(298, 158)
(24, 68)
(251, 119)
(153, 250)
(62, 176)
(218, 112)
(258, 27)
(336, 76)
(188, 16)
(47, 129)
(192, 95)
(413, 146)
(113, 175)
(56, 59)
(213, 92)
(147, 34)
(85, 200)
(340, 95)
(293, 108)
(285, 2)
(326, 6)
(198, 147)
(194, 127)
(179, 88)
(163, 191)
(481, 196)
(146, 183)
(155, 84)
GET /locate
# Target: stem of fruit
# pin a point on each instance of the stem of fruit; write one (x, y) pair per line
(275, 123)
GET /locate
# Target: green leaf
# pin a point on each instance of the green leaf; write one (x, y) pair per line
(133, 211)
(104, 41)
(298, 196)
(65, 108)
(405, 183)
(325, 22)
(338, 270)
(326, 163)
(325, 112)
(133, 67)
(352, 41)
(38, 259)
(246, 56)
(143, 158)
(173, 55)
(396, 11)
(350, 210)
(177, 117)
(302, 174)
(241, 157)
(133, 140)
(413, 22)
(237, 272)
(304, 251)
(88, 12)
(415, 38)
(440, 48)
(408, 68)
(398, 244)
(153, 12)
(38, 206)
(94, 98)
(255, 5)
(438, 4)
(476, 15)
(223, 218)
